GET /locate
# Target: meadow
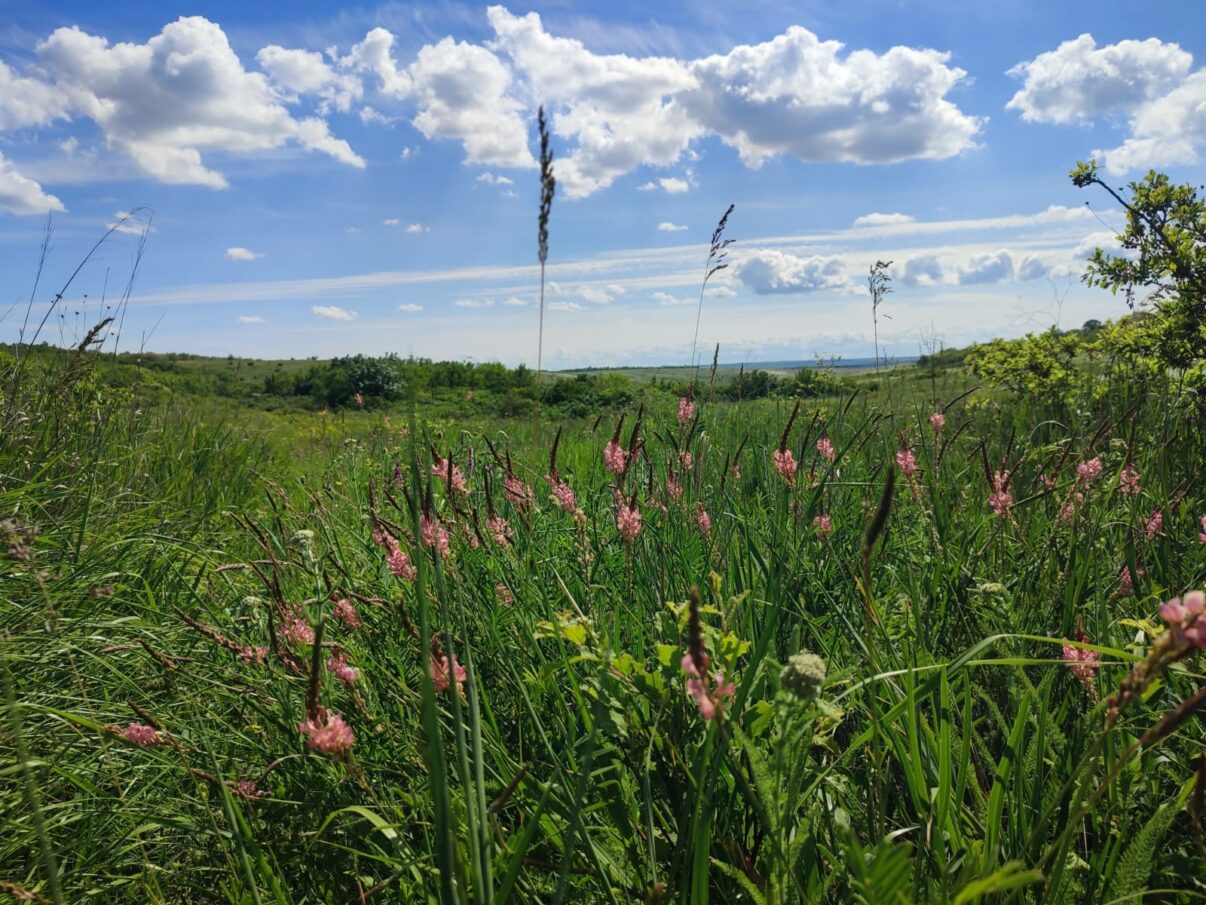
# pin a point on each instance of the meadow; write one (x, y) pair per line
(927, 633)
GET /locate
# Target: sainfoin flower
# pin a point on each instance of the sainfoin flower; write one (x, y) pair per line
(703, 520)
(434, 534)
(328, 733)
(1000, 501)
(937, 422)
(1126, 583)
(499, 530)
(504, 593)
(141, 734)
(615, 457)
(345, 612)
(906, 462)
(709, 701)
(673, 488)
(338, 667)
(1128, 481)
(686, 411)
(1202, 533)
(1155, 525)
(1184, 618)
(1089, 471)
(825, 449)
(686, 460)
(398, 561)
(823, 525)
(628, 521)
(1083, 663)
(1068, 512)
(247, 790)
(443, 468)
(519, 493)
(295, 629)
(785, 464)
(445, 674)
(250, 655)
(562, 493)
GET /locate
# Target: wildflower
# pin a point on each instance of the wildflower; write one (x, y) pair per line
(499, 530)
(398, 561)
(1155, 525)
(1187, 632)
(824, 525)
(434, 534)
(504, 593)
(1083, 663)
(562, 493)
(703, 520)
(247, 790)
(685, 460)
(906, 462)
(785, 464)
(250, 655)
(628, 521)
(444, 469)
(304, 541)
(345, 612)
(1126, 583)
(615, 457)
(1184, 617)
(142, 735)
(519, 493)
(937, 422)
(295, 629)
(328, 733)
(803, 675)
(686, 411)
(1000, 500)
(1047, 481)
(735, 472)
(1068, 512)
(444, 674)
(825, 449)
(1202, 533)
(673, 488)
(1128, 481)
(710, 703)
(1088, 471)
(338, 666)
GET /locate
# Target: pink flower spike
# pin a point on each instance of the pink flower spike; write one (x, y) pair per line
(824, 526)
(785, 464)
(906, 462)
(441, 470)
(328, 734)
(563, 494)
(937, 422)
(398, 561)
(345, 612)
(295, 629)
(248, 790)
(1202, 535)
(519, 493)
(434, 534)
(825, 449)
(703, 520)
(686, 411)
(1155, 525)
(673, 488)
(499, 530)
(628, 522)
(1089, 471)
(142, 735)
(338, 666)
(615, 457)
(1083, 663)
(1128, 481)
(444, 675)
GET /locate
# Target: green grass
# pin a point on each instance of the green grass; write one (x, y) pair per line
(950, 757)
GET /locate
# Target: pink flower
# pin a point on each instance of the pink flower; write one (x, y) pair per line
(250, 655)
(504, 593)
(1202, 534)
(1126, 583)
(563, 494)
(735, 472)
(345, 612)
(1083, 663)
(295, 629)
(905, 462)
(434, 534)
(441, 468)
(825, 449)
(338, 666)
(1184, 615)
(498, 529)
(444, 675)
(519, 493)
(1068, 512)
(1128, 481)
(1000, 501)
(686, 411)
(824, 526)
(710, 703)
(398, 561)
(686, 460)
(673, 488)
(703, 520)
(785, 464)
(1047, 481)
(1155, 525)
(142, 735)
(248, 790)
(628, 522)
(937, 422)
(615, 457)
(1088, 471)
(328, 734)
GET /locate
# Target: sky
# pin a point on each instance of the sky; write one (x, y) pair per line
(301, 179)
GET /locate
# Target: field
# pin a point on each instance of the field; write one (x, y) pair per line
(900, 641)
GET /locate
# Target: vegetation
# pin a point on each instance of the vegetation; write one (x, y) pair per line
(904, 637)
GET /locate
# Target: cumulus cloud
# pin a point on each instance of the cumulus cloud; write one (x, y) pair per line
(474, 303)
(128, 223)
(300, 72)
(417, 228)
(333, 312)
(920, 270)
(21, 195)
(770, 271)
(250, 319)
(667, 227)
(876, 219)
(238, 253)
(410, 307)
(666, 299)
(375, 55)
(515, 302)
(1079, 81)
(390, 221)
(29, 102)
(494, 179)
(1148, 83)
(1103, 239)
(987, 268)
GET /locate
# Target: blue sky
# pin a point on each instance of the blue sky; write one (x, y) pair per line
(323, 182)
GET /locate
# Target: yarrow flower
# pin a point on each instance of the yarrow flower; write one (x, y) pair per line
(906, 462)
(338, 666)
(444, 674)
(1128, 481)
(628, 521)
(499, 530)
(710, 702)
(142, 735)
(1089, 471)
(345, 612)
(328, 734)
(785, 464)
(703, 520)
(825, 449)
(686, 411)
(434, 534)
(1000, 501)
(824, 525)
(1155, 525)
(519, 493)
(443, 468)
(615, 457)
(937, 422)
(295, 629)
(803, 676)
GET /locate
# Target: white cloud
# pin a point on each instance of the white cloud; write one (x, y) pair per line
(410, 307)
(237, 253)
(671, 185)
(987, 268)
(372, 117)
(771, 271)
(417, 228)
(515, 301)
(877, 219)
(181, 94)
(599, 295)
(28, 101)
(474, 303)
(564, 306)
(920, 270)
(1079, 81)
(407, 153)
(493, 179)
(130, 224)
(299, 72)
(1103, 239)
(352, 230)
(375, 54)
(390, 221)
(666, 299)
(720, 291)
(333, 312)
(667, 227)
(21, 195)
(250, 319)
(1169, 130)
